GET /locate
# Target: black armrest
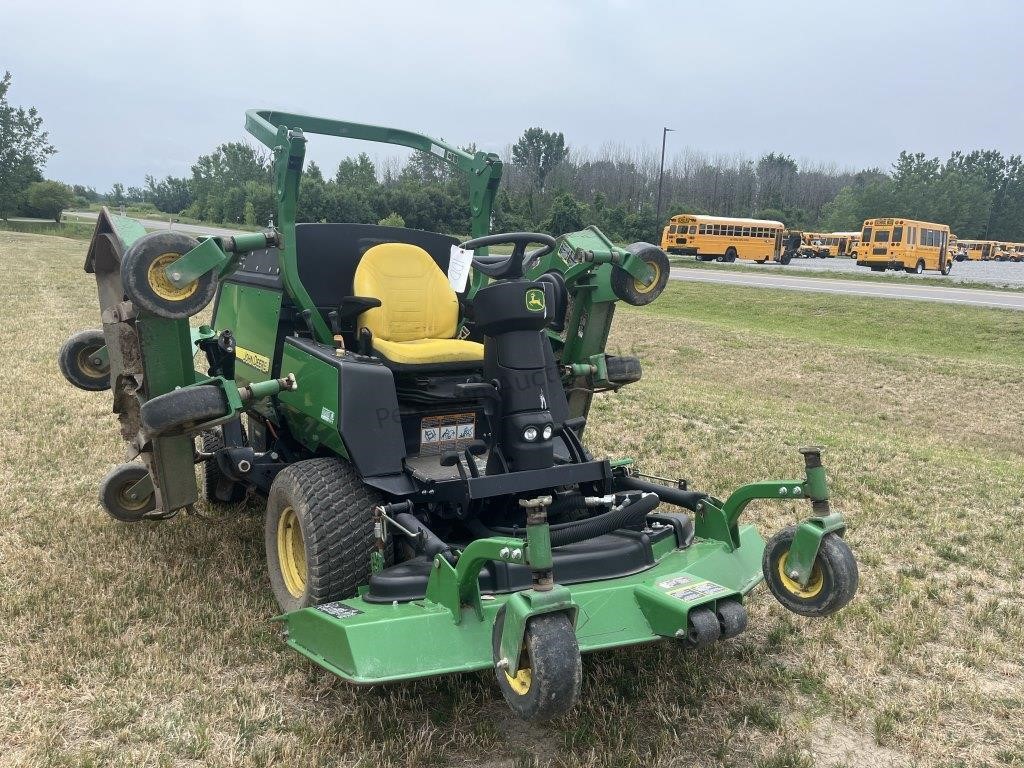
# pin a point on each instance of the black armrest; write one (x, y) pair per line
(343, 319)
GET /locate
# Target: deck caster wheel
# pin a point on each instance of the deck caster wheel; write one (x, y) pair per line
(833, 581)
(116, 497)
(551, 671)
(180, 410)
(145, 280)
(80, 364)
(635, 292)
(732, 618)
(702, 628)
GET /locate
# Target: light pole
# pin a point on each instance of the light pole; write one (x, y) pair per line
(661, 179)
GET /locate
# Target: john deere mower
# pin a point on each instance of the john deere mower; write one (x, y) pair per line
(431, 504)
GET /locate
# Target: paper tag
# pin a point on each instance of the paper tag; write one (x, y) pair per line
(458, 268)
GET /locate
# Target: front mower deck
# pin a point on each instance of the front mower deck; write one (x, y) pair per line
(375, 643)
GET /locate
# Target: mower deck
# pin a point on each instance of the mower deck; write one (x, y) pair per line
(370, 643)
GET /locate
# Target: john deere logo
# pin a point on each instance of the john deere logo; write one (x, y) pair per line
(535, 300)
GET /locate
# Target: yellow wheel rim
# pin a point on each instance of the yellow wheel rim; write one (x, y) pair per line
(163, 287)
(814, 586)
(647, 287)
(291, 553)
(521, 682)
(86, 365)
(128, 504)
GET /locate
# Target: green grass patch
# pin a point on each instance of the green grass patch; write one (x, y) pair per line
(77, 230)
(908, 327)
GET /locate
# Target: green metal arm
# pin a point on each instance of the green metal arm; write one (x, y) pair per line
(284, 133)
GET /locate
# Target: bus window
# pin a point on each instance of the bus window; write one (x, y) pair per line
(865, 236)
(882, 236)
(746, 231)
(693, 229)
(897, 234)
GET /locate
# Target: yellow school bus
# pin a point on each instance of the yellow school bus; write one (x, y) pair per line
(977, 250)
(1015, 251)
(914, 246)
(723, 238)
(830, 245)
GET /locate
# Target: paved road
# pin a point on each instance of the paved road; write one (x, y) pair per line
(192, 229)
(967, 296)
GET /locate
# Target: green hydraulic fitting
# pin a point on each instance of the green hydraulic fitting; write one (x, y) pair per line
(261, 389)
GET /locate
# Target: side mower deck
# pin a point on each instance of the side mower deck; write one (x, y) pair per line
(375, 643)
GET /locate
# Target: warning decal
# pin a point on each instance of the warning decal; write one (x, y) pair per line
(691, 588)
(339, 610)
(447, 432)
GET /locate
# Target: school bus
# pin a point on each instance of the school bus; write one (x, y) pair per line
(832, 244)
(914, 246)
(1015, 251)
(723, 238)
(978, 250)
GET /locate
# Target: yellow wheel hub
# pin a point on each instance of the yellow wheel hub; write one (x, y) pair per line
(86, 365)
(162, 287)
(814, 586)
(646, 287)
(291, 553)
(128, 504)
(521, 682)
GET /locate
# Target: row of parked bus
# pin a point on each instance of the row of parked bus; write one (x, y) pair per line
(883, 243)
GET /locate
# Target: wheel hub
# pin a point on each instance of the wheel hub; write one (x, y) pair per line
(291, 553)
(163, 287)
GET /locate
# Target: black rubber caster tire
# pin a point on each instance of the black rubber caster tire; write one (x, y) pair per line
(114, 494)
(146, 285)
(181, 410)
(631, 290)
(550, 684)
(217, 488)
(75, 361)
(702, 628)
(623, 369)
(834, 576)
(732, 618)
(319, 533)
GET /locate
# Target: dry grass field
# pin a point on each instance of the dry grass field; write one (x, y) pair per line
(151, 644)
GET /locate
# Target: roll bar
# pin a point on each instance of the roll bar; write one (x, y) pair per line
(284, 134)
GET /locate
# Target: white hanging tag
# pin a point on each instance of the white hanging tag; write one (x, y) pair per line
(459, 264)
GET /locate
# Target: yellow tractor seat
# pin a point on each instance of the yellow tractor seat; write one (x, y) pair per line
(419, 311)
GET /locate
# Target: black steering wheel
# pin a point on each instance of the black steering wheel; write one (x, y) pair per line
(509, 267)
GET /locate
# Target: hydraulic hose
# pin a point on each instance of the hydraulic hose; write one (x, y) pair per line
(624, 516)
(686, 499)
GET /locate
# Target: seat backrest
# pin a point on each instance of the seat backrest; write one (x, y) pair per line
(417, 301)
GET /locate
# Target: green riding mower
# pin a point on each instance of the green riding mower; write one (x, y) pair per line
(431, 505)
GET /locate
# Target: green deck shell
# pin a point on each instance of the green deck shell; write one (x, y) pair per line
(384, 642)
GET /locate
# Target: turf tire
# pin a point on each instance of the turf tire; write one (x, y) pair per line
(334, 509)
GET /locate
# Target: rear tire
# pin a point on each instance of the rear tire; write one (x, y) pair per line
(76, 361)
(730, 255)
(917, 269)
(318, 533)
(947, 267)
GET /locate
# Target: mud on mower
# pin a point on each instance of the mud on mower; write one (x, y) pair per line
(431, 503)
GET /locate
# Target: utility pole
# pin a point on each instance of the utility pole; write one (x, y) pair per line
(661, 179)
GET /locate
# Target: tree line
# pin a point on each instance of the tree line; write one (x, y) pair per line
(547, 186)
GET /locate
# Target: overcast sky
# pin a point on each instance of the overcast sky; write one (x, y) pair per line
(135, 87)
